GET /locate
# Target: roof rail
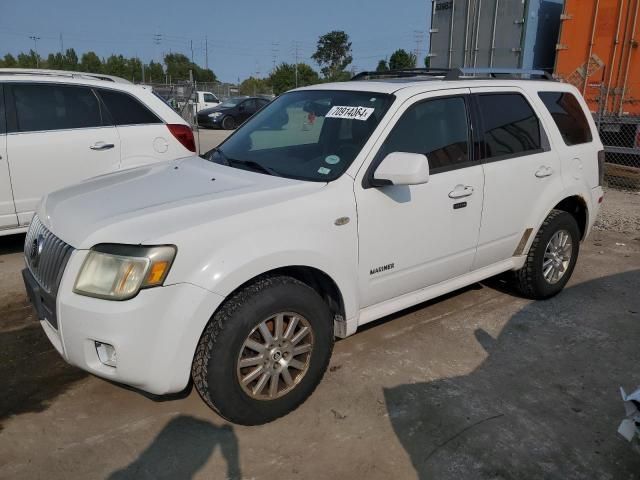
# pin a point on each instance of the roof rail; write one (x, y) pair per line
(461, 73)
(403, 73)
(62, 73)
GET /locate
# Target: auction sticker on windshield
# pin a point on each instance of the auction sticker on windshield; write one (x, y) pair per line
(354, 113)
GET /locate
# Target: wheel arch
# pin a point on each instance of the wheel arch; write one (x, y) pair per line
(577, 207)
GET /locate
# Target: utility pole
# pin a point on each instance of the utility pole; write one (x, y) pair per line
(418, 37)
(206, 52)
(296, 45)
(191, 45)
(61, 45)
(142, 63)
(35, 46)
(274, 53)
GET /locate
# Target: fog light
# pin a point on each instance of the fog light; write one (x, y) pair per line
(106, 354)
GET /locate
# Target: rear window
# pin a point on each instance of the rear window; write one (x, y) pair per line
(126, 110)
(569, 117)
(42, 107)
(511, 127)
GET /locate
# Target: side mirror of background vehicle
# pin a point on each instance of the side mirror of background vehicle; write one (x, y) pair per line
(401, 168)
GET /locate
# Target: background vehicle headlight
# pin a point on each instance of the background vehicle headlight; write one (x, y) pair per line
(118, 272)
(214, 115)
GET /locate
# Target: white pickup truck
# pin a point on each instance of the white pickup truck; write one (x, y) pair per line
(335, 205)
(204, 100)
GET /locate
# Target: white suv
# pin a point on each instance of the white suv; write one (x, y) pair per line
(334, 206)
(58, 128)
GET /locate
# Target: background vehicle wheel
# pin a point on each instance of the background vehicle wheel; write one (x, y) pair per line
(228, 123)
(552, 257)
(264, 351)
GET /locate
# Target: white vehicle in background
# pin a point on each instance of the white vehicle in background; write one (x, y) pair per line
(204, 100)
(58, 128)
(333, 206)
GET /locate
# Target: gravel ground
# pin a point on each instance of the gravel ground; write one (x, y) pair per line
(620, 212)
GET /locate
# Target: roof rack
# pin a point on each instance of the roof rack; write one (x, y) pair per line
(456, 73)
(403, 73)
(465, 73)
(62, 73)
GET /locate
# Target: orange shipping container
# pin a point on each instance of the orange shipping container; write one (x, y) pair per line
(598, 52)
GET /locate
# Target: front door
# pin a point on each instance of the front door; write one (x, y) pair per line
(8, 218)
(411, 237)
(56, 137)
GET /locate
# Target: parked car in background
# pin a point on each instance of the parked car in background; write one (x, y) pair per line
(59, 128)
(334, 206)
(231, 113)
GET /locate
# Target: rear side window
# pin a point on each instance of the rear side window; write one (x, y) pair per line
(126, 110)
(436, 128)
(511, 127)
(55, 107)
(569, 117)
(3, 124)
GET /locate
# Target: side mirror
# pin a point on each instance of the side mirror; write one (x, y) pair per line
(400, 168)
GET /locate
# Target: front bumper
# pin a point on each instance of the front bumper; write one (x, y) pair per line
(155, 334)
(206, 121)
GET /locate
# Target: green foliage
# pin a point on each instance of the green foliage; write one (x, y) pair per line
(29, 60)
(254, 86)
(90, 62)
(333, 54)
(70, 59)
(427, 62)
(178, 66)
(402, 59)
(283, 78)
(9, 61)
(382, 66)
(154, 72)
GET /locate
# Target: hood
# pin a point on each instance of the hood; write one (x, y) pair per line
(138, 205)
(217, 108)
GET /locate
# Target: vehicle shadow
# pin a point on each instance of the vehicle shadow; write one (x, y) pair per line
(181, 449)
(545, 402)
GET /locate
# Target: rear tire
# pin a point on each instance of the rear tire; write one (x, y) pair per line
(244, 319)
(228, 123)
(552, 257)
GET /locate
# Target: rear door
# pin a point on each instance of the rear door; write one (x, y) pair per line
(144, 136)
(57, 136)
(8, 218)
(520, 168)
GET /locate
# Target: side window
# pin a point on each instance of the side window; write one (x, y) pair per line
(210, 98)
(569, 117)
(249, 105)
(3, 124)
(437, 128)
(55, 107)
(126, 110)
(511, 127)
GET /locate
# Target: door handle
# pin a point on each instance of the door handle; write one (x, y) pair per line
(544, 171)
(461, 191)
(102, 146)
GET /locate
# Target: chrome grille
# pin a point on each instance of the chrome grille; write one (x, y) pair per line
(46, 256)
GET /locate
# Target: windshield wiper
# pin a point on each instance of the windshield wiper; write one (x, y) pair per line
(250, 164)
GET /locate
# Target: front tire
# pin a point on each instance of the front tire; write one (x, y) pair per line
(552, 257)
(264, 351)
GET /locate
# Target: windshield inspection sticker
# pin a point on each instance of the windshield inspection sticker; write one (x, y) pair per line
(324, 170)
(353, 113)
(332, 159)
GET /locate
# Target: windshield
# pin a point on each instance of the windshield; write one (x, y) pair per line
(308, 135)
(232, 102)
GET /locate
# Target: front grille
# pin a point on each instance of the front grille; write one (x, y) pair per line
(46, 256)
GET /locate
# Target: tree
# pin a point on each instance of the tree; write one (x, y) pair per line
(116, 65)
(178, 66)
(402, 59)
(70, 59)
(154, 72)
(29, 60)
(90, 62)
(382, 66)
(333, 54)
(255, 86)
(9, 61)
(283, 78)
(55, 61)
(427, 62)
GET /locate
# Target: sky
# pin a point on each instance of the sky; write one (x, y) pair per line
(243, 36)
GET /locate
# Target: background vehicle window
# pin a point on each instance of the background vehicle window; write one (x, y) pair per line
(436, 128)
(208, 97)
(510, 125)
(249, 105)
(568, 115)
(55, 107)
(126, 110)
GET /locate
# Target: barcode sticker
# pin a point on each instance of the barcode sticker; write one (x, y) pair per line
(354, 113)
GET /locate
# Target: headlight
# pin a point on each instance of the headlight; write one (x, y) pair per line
(214, 115)
(118, 272)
